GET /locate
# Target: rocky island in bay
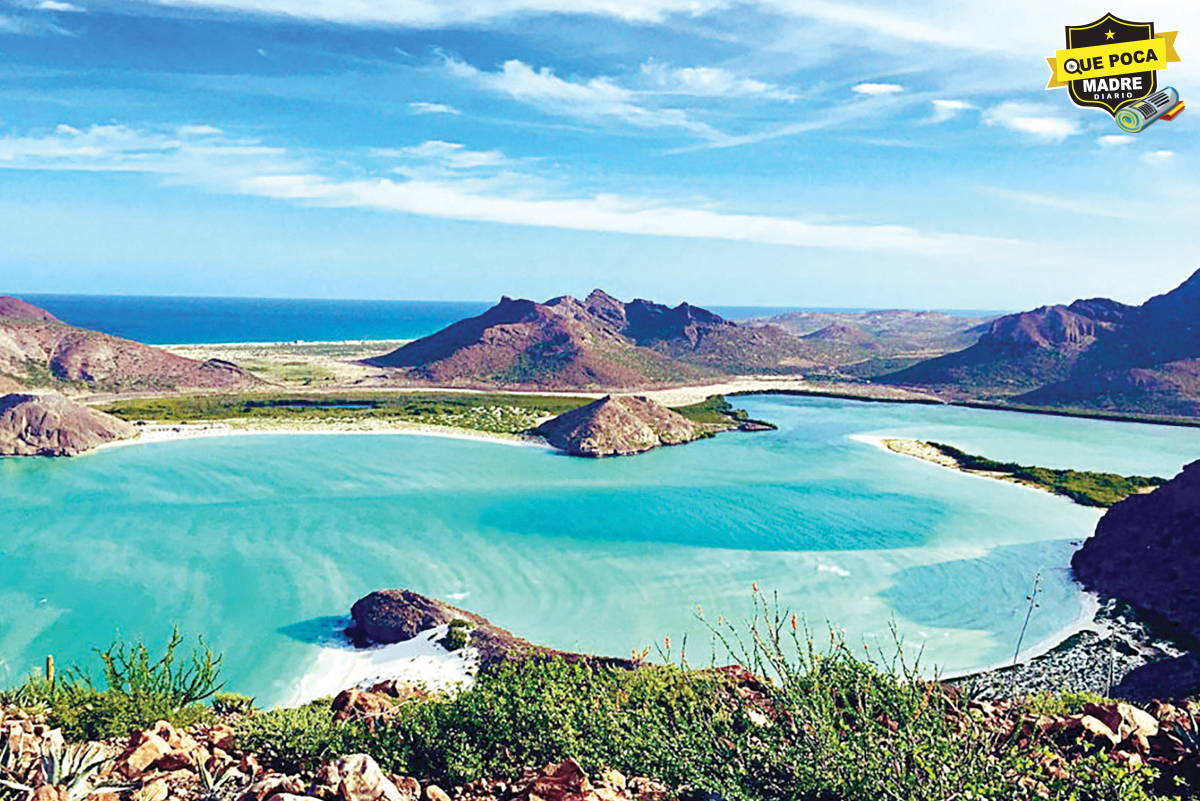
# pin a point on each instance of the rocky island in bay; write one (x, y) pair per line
(48, 424)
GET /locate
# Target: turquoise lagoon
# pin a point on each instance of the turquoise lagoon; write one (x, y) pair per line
(261, 543)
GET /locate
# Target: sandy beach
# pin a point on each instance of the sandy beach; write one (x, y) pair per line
(421, 661)
(155, 432)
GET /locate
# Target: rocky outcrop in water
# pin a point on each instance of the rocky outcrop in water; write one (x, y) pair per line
(51, 425)
(391, 616)
(618, 426)
(1146, 551)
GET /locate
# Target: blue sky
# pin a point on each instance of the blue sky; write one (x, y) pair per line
(813, 153)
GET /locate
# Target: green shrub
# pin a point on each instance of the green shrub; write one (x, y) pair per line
(301, 738)
(138, 691)
(232, 704)
(458, 635)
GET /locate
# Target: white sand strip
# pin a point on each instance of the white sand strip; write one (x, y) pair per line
(153, 433)
(420, 661)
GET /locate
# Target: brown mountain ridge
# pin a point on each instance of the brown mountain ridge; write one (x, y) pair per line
(39, 350)
(1096, 354)
(596, 342)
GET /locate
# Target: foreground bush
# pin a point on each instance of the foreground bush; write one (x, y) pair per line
(137, 691)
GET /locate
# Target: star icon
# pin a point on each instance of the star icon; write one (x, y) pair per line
(1108, 34)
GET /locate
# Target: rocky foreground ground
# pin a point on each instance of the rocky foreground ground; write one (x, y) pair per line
(206, 762)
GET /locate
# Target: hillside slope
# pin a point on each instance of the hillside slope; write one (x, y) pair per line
(1095, 354)
(39, 350)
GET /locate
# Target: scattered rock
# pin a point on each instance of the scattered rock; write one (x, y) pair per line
(145, 749)
(355, 704)
(357, 777)
(435, 793)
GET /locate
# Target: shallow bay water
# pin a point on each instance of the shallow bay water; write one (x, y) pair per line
(257, 542)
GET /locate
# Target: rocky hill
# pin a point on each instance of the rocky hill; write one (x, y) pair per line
(618, 426)
(51, 425)
(598, 342)
(1095, 354)
(38, 350)
(1146, 551)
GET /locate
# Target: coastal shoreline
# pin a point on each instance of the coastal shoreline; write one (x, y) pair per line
(420, 661)
(155, 433)
(881, 442)
(1092, 659)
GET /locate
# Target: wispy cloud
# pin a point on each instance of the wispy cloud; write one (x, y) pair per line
(1041, 122)
(1158, 156)
(54, 5)
(945, 110)
(442, 157)
(709, 82)
(244, 166)
(439, 13)
(1083, 204)
(431, 108)
(878, 89)
(1115, 140)
(30, 25)
(596, 100)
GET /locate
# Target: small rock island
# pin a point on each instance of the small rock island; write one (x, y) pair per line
(619, 425)
(49, 424)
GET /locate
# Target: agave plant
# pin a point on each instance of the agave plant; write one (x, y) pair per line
(74, 767)
(213, 782)
(12, 771)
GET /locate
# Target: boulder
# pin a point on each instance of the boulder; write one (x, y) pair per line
(354, 704)
(390, 616)
(357, 777)
(51, 425)
(145, 749)
(618, 426)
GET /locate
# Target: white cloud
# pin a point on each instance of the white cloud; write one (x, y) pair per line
(199, 130)
(248, 167)
(1115, 140)
(1158, 156)
(54, 5)
(944, 110)
(440, 13)
(431, 108)
(596, 100)
(445, 155)
(1082, 203)
(878, 89)
(709, 82)
(1039, 121)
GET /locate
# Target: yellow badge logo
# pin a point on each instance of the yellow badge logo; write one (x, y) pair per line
(1113, 64)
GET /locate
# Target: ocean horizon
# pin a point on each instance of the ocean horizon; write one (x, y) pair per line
(180, 320)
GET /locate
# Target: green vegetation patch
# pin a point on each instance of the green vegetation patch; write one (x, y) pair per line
(716, 410)
(1083, 487)
(493, 412)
